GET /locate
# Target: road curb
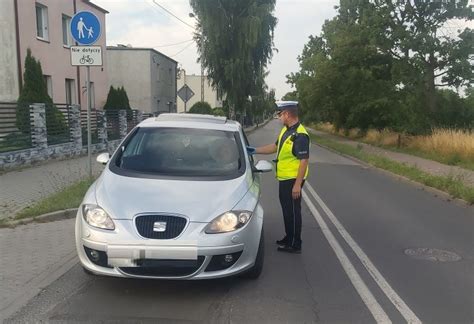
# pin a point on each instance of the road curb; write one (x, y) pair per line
(251, 130)
(45, 218)
(434, 191)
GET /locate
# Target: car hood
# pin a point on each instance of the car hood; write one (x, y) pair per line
(124, 197)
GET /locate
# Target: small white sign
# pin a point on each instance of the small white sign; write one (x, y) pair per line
(86, 55)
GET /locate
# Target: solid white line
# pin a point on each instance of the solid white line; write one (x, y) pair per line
(404, 310)
(369, 300)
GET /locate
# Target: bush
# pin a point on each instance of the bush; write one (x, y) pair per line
(201, 107)
(219, 112)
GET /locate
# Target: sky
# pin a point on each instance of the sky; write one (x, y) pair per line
(142, 23)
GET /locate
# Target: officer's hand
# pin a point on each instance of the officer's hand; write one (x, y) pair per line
(251, 150)
(296, 191)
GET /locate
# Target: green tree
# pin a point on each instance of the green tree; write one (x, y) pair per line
(290, 96)
(235, 40)
(424, 55)
(342, 79)
(124, 102)
(34, 90)
(378, 63)
(117, 99)
(111, 102)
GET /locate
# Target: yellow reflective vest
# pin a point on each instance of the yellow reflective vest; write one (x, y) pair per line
(287, 163)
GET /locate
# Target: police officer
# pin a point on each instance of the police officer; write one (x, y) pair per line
(292, 148)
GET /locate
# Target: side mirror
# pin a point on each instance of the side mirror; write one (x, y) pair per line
(263, 166)
(103, 158)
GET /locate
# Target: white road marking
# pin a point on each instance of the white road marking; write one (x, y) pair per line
(369, 300)
(402, 307)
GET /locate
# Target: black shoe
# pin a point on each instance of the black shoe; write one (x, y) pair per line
(290, 249)
(282, 242)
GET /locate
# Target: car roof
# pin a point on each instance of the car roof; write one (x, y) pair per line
(191, 121)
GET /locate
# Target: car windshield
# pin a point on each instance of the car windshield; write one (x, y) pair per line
(181, 152)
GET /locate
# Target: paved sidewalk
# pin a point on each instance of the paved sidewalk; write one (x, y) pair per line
(19, 189)
(32, 256)
(428, 166)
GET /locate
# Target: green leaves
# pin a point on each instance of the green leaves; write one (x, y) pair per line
(378, 64)
(117, 99)
(235, 40)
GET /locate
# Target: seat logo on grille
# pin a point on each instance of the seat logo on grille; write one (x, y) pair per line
(159, 227)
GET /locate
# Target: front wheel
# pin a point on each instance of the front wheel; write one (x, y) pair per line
(256, 270)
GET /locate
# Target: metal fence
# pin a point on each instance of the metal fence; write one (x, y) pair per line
(58, 117)
(15, 133)
(94, 127)
(113, 124)
(131, 119)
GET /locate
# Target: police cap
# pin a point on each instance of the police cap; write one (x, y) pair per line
(283, 105)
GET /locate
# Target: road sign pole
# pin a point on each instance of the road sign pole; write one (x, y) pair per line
(186, 96)
(185, 85)
(89, 137)
(85, 29)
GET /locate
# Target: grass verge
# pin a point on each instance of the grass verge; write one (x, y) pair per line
(69, 197)
(449, 184)
(447, 146)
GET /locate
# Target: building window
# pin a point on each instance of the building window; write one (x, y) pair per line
(66, 33)
(70, 92)
(49, 85)
(42, 22)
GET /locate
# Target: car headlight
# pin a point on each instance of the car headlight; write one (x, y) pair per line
(97, 217)
(229, 221)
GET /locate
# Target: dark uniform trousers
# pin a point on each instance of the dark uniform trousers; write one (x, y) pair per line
(291, 212)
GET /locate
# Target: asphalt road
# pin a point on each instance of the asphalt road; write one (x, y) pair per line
(375, 249)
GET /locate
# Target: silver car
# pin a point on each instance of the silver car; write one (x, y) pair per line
(179, 199)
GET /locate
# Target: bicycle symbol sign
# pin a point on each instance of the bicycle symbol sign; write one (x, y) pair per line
(86, 55)
(86, 59)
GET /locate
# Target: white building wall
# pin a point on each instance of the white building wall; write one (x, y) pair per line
(194, 82)
(163, 75)
(148, 76)
(9, 82)
(131, 69)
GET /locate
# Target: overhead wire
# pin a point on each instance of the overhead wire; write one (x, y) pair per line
(172, 14)
(174, 44)
(184, 48)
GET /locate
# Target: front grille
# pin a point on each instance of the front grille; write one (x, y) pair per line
(174, 226)
(164, 268)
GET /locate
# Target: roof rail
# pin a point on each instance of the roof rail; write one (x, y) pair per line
(192, 117)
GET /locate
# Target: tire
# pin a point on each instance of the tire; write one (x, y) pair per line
(254, 272)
